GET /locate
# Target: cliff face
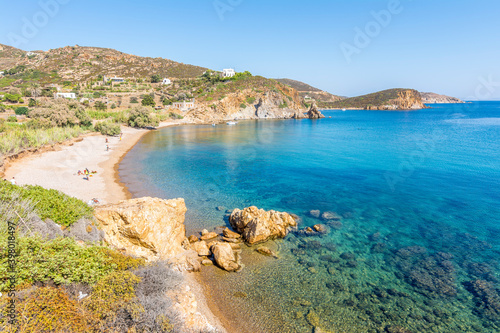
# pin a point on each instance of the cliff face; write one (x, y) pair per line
(431, 98)
(250, 104)
(409, 100)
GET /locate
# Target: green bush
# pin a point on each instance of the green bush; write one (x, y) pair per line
(155, 78)
(174, 115)
(113, 106)
(250, 100)
(32, 103)
(22, 111)
(108, 128)
(284, 105)
(52, 204)
(243, 105)
(62, 261)
(142, 117)
(148, 100)
(12, 119)
(100, 106)
(134, 100)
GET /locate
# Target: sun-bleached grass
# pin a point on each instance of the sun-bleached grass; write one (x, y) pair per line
(16, 140)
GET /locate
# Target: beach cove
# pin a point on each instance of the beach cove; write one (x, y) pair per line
(364, 274)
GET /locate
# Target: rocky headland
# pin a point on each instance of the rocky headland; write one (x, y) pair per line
(433, 98)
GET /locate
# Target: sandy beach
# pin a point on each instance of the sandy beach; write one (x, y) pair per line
(59, 169)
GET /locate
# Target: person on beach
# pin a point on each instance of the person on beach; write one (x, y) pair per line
(13, 181)
(106, 140)
(107, 148)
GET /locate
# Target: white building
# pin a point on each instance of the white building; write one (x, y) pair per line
(166, 81)
(229, 72)
(65, 95)
(1, 73)
(117, 79)
(184, 106)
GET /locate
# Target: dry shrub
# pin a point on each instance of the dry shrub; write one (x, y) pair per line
(49, 309)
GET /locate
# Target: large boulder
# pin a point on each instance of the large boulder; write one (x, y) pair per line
(150, 228)
(257, 225)
(225, 257)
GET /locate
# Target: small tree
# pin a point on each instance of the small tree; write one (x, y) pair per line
(21, 111)
(155, 78)
(148, 101)
(32, 103)
(12, 119)
(100, 106)
(134, 100)
(142, 117)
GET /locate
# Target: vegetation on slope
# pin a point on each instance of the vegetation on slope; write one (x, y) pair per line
(62, 285)
(378, 99)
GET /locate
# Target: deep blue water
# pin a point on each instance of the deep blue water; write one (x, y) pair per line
(418, 191)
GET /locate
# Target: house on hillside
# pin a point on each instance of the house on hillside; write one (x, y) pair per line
(1, 73)
(65, 95)
(166, 82)
(184, 106)
(229, 72)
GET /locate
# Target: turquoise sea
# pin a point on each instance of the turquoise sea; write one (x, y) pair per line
(417, 246)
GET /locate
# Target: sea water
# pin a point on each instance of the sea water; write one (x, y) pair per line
(416, 243)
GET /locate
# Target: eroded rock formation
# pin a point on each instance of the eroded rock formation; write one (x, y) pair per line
(151, 228)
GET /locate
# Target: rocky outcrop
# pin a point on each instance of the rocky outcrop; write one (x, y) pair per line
(257, 225)
(432, 98)
(225, 257)
(147, 227)
(314, 113)
(409, 100)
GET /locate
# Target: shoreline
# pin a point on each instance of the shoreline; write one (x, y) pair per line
(56, 166)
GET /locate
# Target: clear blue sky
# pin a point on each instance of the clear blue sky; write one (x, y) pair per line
(441, 46)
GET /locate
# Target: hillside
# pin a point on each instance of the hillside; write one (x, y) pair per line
(432, 98)
(80, 64)
(391, 99)
(311, 93)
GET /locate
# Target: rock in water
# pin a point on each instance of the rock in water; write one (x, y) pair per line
(314, 113)
(151, 228)
(230, 234)
(201, 248)
(257, 225)
(224, 257)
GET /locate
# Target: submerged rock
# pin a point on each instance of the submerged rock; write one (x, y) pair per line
(330, 216)
(151, 228)
(257, 225)
(315, 213)
(266, 251)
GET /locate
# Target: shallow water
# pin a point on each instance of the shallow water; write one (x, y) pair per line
(418, 195)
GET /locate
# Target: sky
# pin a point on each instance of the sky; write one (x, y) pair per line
(347, 48)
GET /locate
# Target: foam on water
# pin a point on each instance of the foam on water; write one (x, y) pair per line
(418, 242)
